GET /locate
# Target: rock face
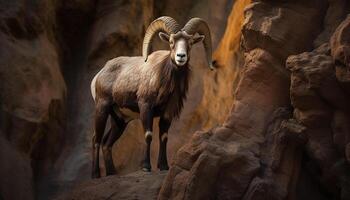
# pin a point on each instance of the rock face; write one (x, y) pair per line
(267, 148)
(321, 104)
(32, 96)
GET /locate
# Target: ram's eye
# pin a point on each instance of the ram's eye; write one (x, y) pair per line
(171, 43)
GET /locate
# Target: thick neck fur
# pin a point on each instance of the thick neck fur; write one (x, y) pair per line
(173, 87)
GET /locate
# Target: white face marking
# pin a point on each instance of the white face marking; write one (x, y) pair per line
(181, 52)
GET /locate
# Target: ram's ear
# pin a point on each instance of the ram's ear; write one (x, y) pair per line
(164, 37)
(198, 38)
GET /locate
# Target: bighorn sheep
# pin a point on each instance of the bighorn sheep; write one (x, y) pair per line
(154, 85)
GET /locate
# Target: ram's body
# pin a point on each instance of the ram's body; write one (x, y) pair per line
(128, 79)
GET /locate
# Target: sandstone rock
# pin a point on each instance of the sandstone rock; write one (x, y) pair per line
(263, 133)
(229, 155)
(340, 49)
(319, 96)
(313, 88)
(224, 163)
(336, 11)
(281, 157)
(272, 26)
(138, 185)
(340, 44)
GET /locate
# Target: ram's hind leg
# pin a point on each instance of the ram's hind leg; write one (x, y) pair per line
(117, 128)
(101, 114)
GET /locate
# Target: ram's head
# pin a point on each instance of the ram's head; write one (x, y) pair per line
(180, 40)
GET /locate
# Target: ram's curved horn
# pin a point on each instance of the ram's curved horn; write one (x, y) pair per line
(198, 25)
(166, 24)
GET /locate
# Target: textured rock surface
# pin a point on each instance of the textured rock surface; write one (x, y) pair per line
(32, 96)
(272, 26)
(137, 185)
(258, 152)
(340, 43)
(321, 105)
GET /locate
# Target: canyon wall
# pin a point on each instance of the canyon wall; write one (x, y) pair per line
(287, 133)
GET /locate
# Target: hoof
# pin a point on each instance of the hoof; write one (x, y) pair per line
(164, 168)
(111, 172)
(96, 175)
(146, 167)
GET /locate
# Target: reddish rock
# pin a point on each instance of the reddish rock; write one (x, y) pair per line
(336, 12)
(275, 141)
(272, 26)
(137, 185)
(340, 51)
(340, 43)
(320, 99)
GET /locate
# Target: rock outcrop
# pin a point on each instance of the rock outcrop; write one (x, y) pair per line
(320, 103)
(263, 151)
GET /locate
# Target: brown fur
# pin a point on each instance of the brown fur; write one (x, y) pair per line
(158, 81)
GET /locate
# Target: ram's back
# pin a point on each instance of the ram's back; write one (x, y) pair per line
(123, 76)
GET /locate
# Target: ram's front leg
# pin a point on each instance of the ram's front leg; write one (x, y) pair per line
(164, 125)
(146, 116)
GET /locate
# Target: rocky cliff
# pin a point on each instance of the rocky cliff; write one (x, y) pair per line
(271, 122)
(286, 135)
